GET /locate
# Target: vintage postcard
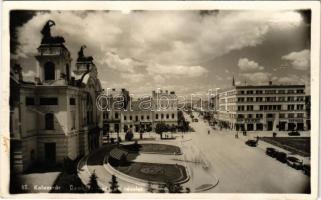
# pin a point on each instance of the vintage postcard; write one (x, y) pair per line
(148, 100)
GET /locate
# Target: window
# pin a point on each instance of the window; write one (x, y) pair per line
(249, 92)
(240, 116)
(240, 108)
(249, 108)
(49, 70)
(290, 98)
(147, 117)
(259, 99)
(142, 117)
(281, 91)
(259, 92)
(173, 116)
(48, 101)
(299, 107)
(282, 115)
(241, 99)
(125, 117)
(130, 117)
(249, 99)
(162, 116)
(270, 91)
(116, 115)
(291, 115)
(250, 116)
(281, 99)
(300, 115)
(73, 120)
(136, 118)
(72, 101)
(156, 116)
(167, 116)
(290, 107)
(270, 115)
(299, 91)
(259, 115)
(49, 121)
(290, 91)
(30, 101)
(105, 115)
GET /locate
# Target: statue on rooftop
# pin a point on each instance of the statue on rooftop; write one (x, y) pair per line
(47, 38)
(82, 57)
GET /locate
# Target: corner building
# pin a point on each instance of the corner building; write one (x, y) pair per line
(263, 108)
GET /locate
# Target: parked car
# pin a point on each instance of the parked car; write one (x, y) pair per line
(294, 133)
(281, 156)
(271, 152)
(251, 143)
(195, 120)
(306, 169)
(294, 162)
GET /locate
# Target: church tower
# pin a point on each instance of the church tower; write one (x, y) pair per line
(53, 58)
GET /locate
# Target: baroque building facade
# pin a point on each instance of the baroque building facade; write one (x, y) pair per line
(54, 118)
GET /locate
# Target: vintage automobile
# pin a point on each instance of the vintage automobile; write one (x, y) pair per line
(294, 133)
(281, 156)
(271, 152)
(251, 143)
(294, 162)
(306, 169)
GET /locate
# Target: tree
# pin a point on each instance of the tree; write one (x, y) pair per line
(160, 128)
(93, 184)
(129, 135)
(114, 185)
(149, 187)
(174, 187)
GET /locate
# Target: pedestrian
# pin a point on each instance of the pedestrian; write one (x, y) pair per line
(208, 131)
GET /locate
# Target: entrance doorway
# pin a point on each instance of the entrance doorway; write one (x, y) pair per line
(270, 125)
(50, 153)
(117, 128)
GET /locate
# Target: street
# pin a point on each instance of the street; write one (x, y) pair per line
(244, 169)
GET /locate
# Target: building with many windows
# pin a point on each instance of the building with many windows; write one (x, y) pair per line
(140, 114)
(55, 117)
(262, 107)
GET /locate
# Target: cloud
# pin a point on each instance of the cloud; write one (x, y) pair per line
(256, 77)
(299, 60)
(156, 36)
(29, 74)
(113, 61)
(248, 65)
(174, 70)
(133, 77)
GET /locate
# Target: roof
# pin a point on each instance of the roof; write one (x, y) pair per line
(118, 154)
(268, 86)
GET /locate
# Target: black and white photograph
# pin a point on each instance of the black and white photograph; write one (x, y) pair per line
(143, 101)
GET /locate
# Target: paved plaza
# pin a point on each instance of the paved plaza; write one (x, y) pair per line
(215, 162)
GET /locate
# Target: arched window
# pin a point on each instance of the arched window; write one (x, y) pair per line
(67, 71)
(49, 71)
(49, 118)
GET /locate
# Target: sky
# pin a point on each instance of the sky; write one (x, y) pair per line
(188, 52)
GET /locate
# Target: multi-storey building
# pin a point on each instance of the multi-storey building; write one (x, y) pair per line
(263, 107)
(141, 114)
(54, 117)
